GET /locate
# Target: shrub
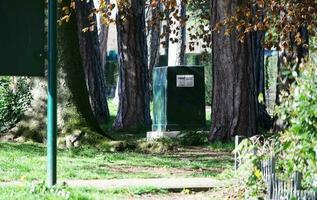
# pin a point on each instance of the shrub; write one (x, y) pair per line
(15, 98)
(298, 110)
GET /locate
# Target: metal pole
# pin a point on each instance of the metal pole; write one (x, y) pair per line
(52, 94)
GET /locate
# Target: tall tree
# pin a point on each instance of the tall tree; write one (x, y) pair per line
(134, 97)
(177, 41)
(234, 99)
(103, 40)
(91, 59)
(181, 36)
(153, 33)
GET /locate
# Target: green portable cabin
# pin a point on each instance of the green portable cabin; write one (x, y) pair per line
(179, 98)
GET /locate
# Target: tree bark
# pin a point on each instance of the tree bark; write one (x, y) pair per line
(103, 39)
(181, 37)
(177, 43)
(134, 97)
(90, 53)
(153, 35)
(264, 120)
(153, 30)
(234, 96)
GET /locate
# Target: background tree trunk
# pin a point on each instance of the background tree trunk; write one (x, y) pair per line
(153, 35)
(181, 37)
(153, 30)
(177, 43)
(103, 31)
(103, 40)
(234, 98)
(79, 58)
(290, 58)
(90, 54)
(134, 97)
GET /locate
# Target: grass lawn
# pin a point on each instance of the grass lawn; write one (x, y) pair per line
(28, 162)
(40, 191)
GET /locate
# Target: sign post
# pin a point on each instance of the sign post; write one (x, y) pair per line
(22, 54)
(52, 94)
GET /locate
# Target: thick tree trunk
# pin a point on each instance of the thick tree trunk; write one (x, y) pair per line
(134, 98)
(90, 54)
(234, 97)
(74, 56)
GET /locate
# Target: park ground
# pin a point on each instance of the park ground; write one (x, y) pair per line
(27, 162)
(130, 157)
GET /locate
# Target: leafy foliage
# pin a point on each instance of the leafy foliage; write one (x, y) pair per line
(294, 148)
(15, 98)
(297, 146)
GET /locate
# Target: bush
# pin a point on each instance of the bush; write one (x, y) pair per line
(15, 98)
(298, 110)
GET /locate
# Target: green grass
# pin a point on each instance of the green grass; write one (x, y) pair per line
(28, 162)
(35, 192)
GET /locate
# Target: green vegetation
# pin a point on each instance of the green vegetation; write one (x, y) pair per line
(28, 162)
(14, 99)
(297, 144)
(294, 147)
(61, 192)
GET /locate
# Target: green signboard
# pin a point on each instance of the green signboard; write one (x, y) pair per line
(22, 37)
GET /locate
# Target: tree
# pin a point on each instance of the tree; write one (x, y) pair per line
(234, 99)
(103, 39)
(153, 34)
(181, 36)
(292, 54)
(177, 26)
(91, 59)
(134, 97)
(74, 107)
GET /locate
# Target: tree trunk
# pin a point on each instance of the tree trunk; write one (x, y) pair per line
(234, 97)
(177, 43)
(75, 61)
(103, 39)
(166, 31)
(290, 58)
(264, 120)
(181, 37)
(153, 35)
(90, 54)
(134, 98)
(74, 109)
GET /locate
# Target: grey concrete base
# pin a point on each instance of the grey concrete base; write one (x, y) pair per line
(152, 135)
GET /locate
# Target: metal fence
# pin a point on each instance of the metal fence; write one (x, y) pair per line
(284, 189)
(278, 189)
